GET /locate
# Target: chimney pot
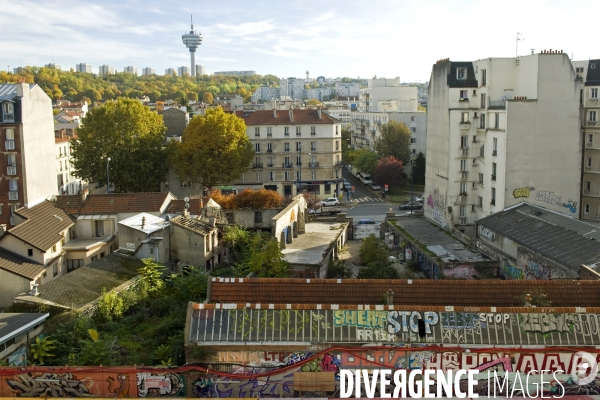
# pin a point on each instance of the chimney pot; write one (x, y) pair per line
(143, 222)
(390, 297)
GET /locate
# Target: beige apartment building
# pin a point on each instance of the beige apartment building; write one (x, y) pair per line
(296, 151)
(501, 131)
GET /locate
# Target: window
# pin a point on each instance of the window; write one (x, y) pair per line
(482, 151)
(480, 201)
(337, 145)
(464, 141)
(257, 162)
(55, 270)
(588, 185)
(482, 100)
(592, 116)
(463, 210)
(11, 160)
(413, 140)
(30, 252)
(481, 178)
(269, 147)
(413, 152)
(413, 119)
(257, 176)
(54, 249)
(298, 146)
(298, 131)
(258, 217)
(463, 165)
(461, 74)
(594, 93)
(497, 121)
(257, 131)
(590, 138)
(269, 161)
(297, 175)
(313, 175)
(286, 131)
(272, 176)
(493, 171)
(313, 130)
(464, 94)
(313, 146)
(413, 130)
(298, 160)
(244, 177)
(483, 77)
(13, 185)
(286, 146)
(286, 176)
(327, 188)
(589, 163)
(8, 111)
(257, 147)
(10, 134)
(286, 161)
(269, 131)
(464, 119)
(94, 258)
(74, 264)
(463, 188)
(493, 202)
(495, 146)
(587, 208)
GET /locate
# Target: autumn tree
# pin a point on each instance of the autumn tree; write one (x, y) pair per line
(214, 149)
(365, 160)
(132, 136)
(207, 97)
(388, 170)
(394, 141)
(255, 199)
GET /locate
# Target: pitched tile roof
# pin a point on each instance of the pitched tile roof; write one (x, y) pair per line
(43, 226)
(113, 203)
(177, 206)
(492, 293)
(567, 241)
(300, 117)
(192, 224)
(18, 265)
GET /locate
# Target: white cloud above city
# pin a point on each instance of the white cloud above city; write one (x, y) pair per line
(352, 38)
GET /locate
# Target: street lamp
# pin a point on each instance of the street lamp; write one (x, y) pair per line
(107, 176)
(412, 184)
(300, 165)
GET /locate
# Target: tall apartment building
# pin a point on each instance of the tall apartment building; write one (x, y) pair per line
(52, 65)
(147, 71)
(265, 93)
(171, 72)
(347, 89)
(291, 88)
(296, 150)
(416, 122)
(588, 73)
(27, 137)
(182, 71)
(236, 73)
(200, 70)
(383, 95)
(501, 131)
(104, 70)
(317, 93)
(83, 67)
(130, 70)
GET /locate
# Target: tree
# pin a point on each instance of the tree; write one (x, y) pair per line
(365, 160)
(394, 141)
(313, 102)
(388, 170)
(373, 250)
(207, 97)
(378, 271)
(132, 136)
(214, 149)
(42, 348)
(346, 138)
(265, 257)
(419, 169)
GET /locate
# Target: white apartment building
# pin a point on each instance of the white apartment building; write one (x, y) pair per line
(501, 131)
(66, 182)
(83, 67)
(588, 74)
(347, 89)
(365, 128)
(104, 70)
(171, 72)
(200, 70)
(130, 70)
(340, 112)
(52, 66)
(292, 88)
(236, 73)
(384, 95)
(148, 71)
(265, 93)
(182, 71)
(296, 151)
(317, 93)
(416, 122)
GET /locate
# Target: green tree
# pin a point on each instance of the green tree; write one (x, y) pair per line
(373, 250)
(377, 270)
(265, 258)
(132, 136)
(207, 97)
(394, 141)
(110, 306)
(419, 169)
(346, 140)
(42, 349)
(365, 160)
(214, 149)
(152, 273)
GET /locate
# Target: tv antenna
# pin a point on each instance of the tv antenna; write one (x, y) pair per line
(519, 38)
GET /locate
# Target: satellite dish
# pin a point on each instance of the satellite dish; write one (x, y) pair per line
(186, 199)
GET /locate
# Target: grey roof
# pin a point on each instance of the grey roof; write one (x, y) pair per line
(18, 265)
(43, 226)
(565, 240)
(152, 223)
(14, 324)
(593, 73)
(8, 91)
(192, 224)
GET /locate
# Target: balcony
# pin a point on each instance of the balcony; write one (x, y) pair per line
(497, 105)
(13, 195)
(9, 118)
(313, 164)
(464, 174)
(465, 125)
(270, 165)
(284, 165)
(462, 221)
(11, 170)
(464, 151)
(464, 99)
(257, 150)
(298, 164)
(255, 166)
(462, 198)
(494, 177)
(269, 150)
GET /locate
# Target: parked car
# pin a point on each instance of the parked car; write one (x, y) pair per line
(366, 221)
(411, 205)
(330, 201)
(374, 186)
(420, 198)
(347, 187)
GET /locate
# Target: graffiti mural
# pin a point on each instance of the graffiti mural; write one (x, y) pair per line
(18, 358)
(509, 271)
(532, 268)
(436, 206)
(122, 389)
(160, 385)
(548, 197)
(48, 385)
(522, 192)
(571, 206)
(487, 233)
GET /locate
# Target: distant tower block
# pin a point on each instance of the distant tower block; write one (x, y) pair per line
(307, 75)
(192, 40)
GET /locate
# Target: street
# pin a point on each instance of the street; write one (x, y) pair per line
(368, 203)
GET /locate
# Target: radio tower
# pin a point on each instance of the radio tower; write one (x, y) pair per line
(192, 40)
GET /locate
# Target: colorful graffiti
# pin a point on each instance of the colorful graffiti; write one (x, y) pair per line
(522, 192)
(547, 323)
(48, 384)
(160, 385)
(436, 206)
(532, 268)
(571, 206)
(18, 358)
(509, 271)
(122, 390)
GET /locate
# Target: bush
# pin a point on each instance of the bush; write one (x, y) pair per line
(373, 250)
(378, 271)
(339, 270)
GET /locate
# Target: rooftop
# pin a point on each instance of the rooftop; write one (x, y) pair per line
(475, 293)
(567, 241)
(593, 74)
(309, 248)
(192, 224)
(113, 203)
(300, 117)
(151, 223)
(43, 226)
(14, 324)
(18, 265)
(8, 91)
(196, 205)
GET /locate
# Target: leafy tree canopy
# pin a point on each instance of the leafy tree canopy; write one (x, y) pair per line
(419, 169)
(214, 149)
(365, 160)
(255, 199)
(394, 141)
(388, 170)
(132, 136)
(372, 250)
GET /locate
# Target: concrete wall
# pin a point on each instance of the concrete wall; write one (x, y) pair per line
(131, 239)
(290, 222)
(12, 285)
(190, 248)
(176, 121)
(245, 218)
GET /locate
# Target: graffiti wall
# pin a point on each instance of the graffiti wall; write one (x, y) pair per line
(435, 206)
(531, 267)
(249, 381)
(243, 326)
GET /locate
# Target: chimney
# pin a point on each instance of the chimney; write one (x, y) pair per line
(212, 222)
(528, 300)
(143, 222)
(21, 89)
(274, 112)
(291, 115)
(84, 194)
(319, 113)
(186, 213)
(201, 204)
(390, 297)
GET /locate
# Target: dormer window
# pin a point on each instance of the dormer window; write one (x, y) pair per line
(8, 112)
(461, 74)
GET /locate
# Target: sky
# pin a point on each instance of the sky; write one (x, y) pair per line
(347, 38)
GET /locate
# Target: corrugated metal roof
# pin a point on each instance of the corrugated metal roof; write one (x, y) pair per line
(13, 324)
(151, 224)
(8, 91)
(568, 241)
(192, 224)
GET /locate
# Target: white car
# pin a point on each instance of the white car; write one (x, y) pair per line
(330, 201)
